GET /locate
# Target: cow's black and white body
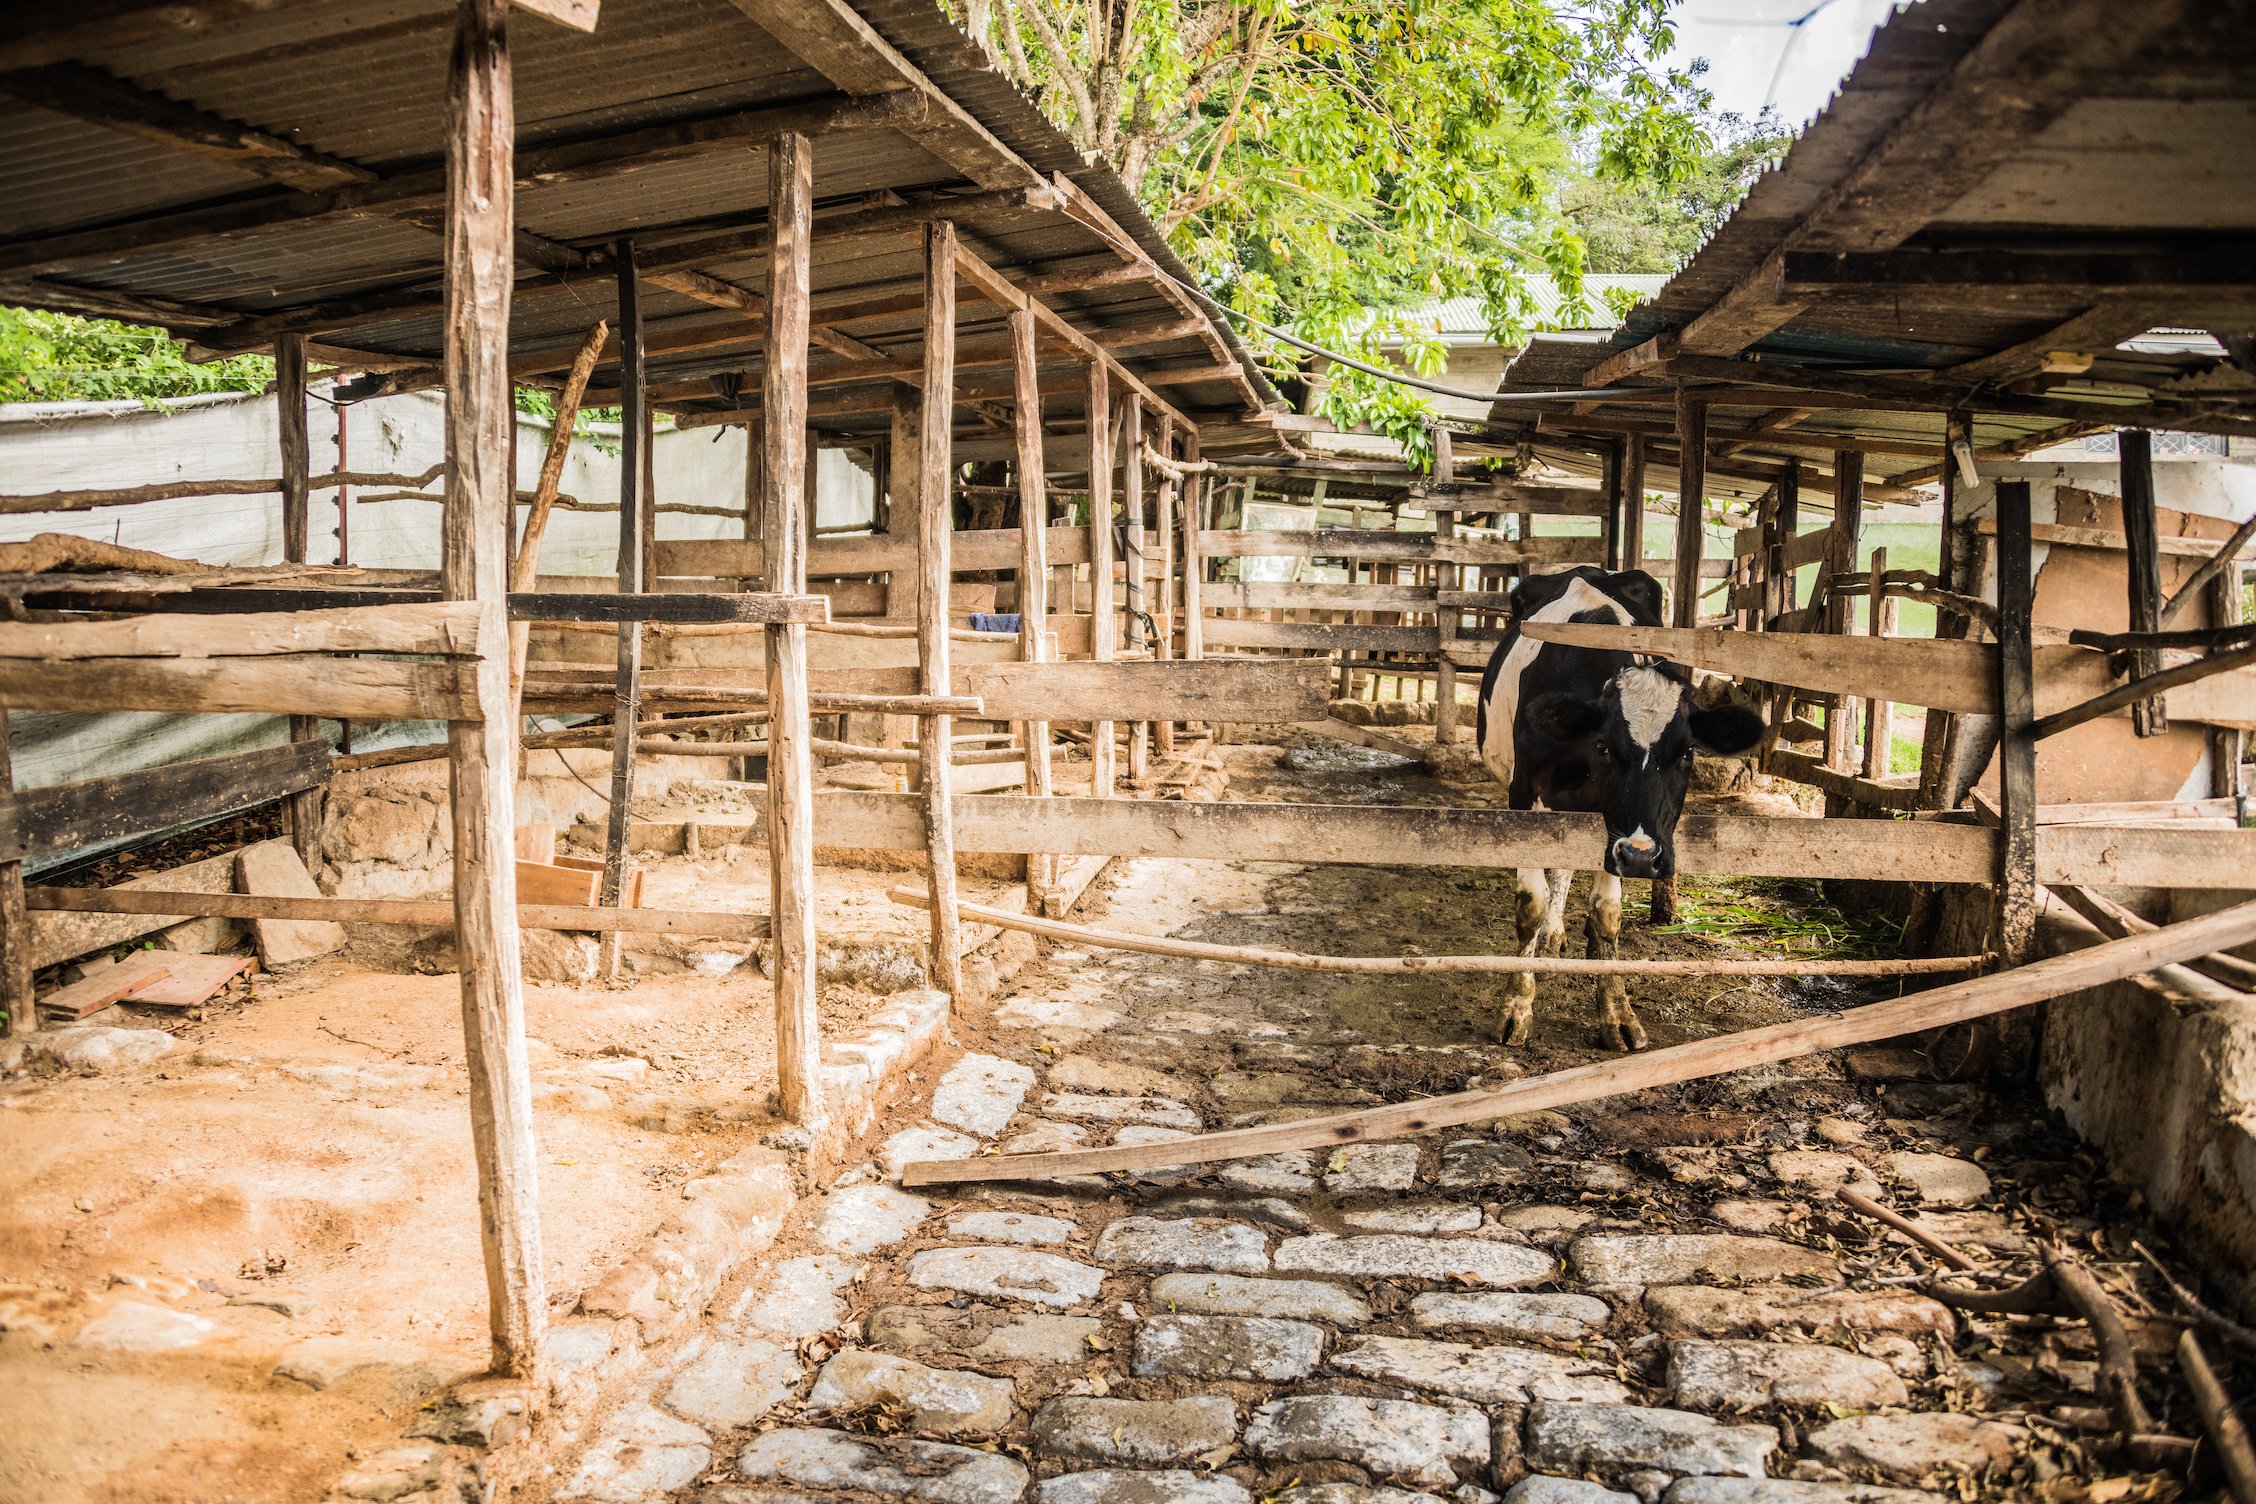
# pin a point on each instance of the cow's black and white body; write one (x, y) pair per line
(1598, 732)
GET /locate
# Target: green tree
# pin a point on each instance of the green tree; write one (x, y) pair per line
(58, 357)
(1655, 226)
(1321, 161)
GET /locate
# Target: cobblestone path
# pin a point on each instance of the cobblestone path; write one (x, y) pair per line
(1649, 1298)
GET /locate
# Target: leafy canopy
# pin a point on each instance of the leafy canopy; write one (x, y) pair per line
(1319, 162)
(56, 357)
(1648, 227)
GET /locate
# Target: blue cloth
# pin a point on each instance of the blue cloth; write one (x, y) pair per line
(988, 621)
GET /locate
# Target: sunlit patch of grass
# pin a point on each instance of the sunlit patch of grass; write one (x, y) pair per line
(1780, 914)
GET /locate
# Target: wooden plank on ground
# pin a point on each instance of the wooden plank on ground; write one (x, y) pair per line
(1934, 1008)
(1746, 846)
(274, 869)
(106, 985)
(66, 817)
(543, 882)
(189, 980)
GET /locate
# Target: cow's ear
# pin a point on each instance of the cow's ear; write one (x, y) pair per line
(1564, 717)
(1727, 730)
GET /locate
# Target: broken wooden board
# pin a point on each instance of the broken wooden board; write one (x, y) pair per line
(1918, 1013)
(104, 987)
(189, 980)
(273, 869)
(544, 882)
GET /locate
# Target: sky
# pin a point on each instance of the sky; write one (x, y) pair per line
(1756, 55)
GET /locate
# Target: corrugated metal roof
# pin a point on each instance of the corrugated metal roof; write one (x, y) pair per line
(1462, 320)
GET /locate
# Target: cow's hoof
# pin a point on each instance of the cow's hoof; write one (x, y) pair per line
(1518, 1027)
(1624, 1032)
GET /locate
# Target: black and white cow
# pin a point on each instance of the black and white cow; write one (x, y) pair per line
(1599, 732)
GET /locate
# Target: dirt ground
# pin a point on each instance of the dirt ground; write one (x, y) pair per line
(291, 1188)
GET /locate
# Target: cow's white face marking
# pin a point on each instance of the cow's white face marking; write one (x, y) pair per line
(1649, 701)
(1504, 708)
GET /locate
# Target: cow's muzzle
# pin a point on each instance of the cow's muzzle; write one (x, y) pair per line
(1640, 856)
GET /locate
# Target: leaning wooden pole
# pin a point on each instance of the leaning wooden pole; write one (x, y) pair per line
(783, 530)
(935, 502)
(481, 754)
(1956, 1003)
(524, 572)
(1033, 571)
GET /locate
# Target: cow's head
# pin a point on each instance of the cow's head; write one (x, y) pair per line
(1632, 746)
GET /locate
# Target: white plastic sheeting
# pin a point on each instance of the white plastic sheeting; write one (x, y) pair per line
(85, 445)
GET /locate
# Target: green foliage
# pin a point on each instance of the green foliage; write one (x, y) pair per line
(1318, 162)
(542, 404)
(1650, 225)
(58, 357)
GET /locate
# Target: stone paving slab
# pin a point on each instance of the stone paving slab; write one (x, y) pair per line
(1046, 1279)
(1510, 1313)
(1496, 1375)
(1135, 1432)
(1393, 1256)
(1235, 1295)
(1616, 1438)
(1183, 1243)
(897, 1467)
(1395, 1439)
(1245, 1348)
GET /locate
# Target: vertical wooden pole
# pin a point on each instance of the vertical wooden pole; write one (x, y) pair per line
(1691, 509)
(1879, 714)
(1446, 618)
(2227, 746)
(1163, 731)
(1194, 553)
(1633, 503)
(935, 506)
(1033, 573)
(1841, 559)
(1610, 482)
(626, 691)
(1789, 514)
(15, 919)
(2017, 749)
(482, 753)
(304, 807)
(1102, 772)
(1133, 589)
(2134, 448)
(791, 768)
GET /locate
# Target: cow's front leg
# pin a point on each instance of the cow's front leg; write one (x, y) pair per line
(1531, 909)
(1603, 928)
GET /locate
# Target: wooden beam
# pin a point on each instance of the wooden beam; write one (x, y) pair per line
(2144, 687)
(303, 813)
(1102, 624)
(2134, 449)
(1958, 1002)
(482, 753)
(635, 434)
(2102, 326)
(831, 37)
(103, 99)
(173, 905)
(1633, 504)
(57, 819)
(354, 689)
(583, 158)
(2204, 266)
(1321, 636)
(784, 528)
(935, 519)
(1033, 567)
(880, 553)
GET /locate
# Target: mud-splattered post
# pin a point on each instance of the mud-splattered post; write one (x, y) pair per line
(2017, 746)
(481, 753)
(791, 768)
(935, 502)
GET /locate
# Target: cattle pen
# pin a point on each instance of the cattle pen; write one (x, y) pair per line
(831, 228)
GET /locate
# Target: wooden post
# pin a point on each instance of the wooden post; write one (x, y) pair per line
(634, 500)
(2017, 749)
(1445, 578)
(2227, 746)
(1137, 574)
(15, 920)
(1633, 503)
(1194, 557)
(1614, 462)
(1691, 504)
(2134, 449)
(791, 768)
(1787, 514)
(1033, 573)
(1163, 614)
(1840, 559)
(935, 505)
(1102, 772)
(304, 807)
(481, 754)
(1879, 714)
